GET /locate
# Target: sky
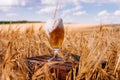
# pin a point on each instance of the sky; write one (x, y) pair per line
(71, 11)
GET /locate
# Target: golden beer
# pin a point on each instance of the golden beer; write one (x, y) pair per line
(57, 37)
(55, 31)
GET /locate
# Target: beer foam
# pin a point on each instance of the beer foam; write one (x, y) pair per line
(53, 24)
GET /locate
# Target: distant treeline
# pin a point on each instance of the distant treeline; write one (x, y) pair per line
(9, 22)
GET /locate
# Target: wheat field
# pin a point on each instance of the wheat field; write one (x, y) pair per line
(94, 43)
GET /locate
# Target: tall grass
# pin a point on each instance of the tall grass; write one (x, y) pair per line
(94, 47)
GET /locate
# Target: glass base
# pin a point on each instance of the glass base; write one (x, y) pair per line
(55, 54)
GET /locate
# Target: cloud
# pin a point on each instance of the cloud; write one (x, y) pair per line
(103, 13)
(106, 17)
(76, 2)
(79, 13)
(66, 12)
(78, 7)
(47, 9)
(117, 13)
(5, 9)
(71, 11)
(101, 1)
(49, 6)
(8, 3)
(48, 2)
(60, 2)
(11, 14)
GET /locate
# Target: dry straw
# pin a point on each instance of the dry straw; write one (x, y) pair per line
(15, 46)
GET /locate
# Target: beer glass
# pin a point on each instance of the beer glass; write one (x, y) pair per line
(55, 31)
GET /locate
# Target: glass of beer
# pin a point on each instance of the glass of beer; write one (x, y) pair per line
(55, 31)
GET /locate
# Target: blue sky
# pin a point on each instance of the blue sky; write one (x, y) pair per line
(72, 11)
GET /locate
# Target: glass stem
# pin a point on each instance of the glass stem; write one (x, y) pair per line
(55, 54)
(55, 51)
